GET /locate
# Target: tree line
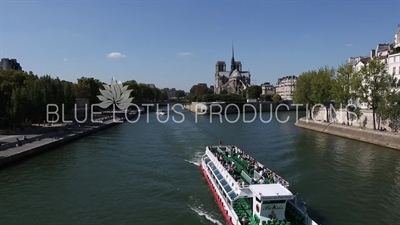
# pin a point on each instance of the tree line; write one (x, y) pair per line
(347, 88)
(202, 93)
(24, 96)
(255, 92)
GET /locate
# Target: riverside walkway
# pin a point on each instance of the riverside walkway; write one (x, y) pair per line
(382, 138)
(9, 140)
(45, 137)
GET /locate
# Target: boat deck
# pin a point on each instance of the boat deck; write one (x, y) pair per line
(242, 169)
(243, 210)
(244, 166)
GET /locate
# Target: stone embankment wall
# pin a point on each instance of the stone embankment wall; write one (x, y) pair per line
(40, 147)
(386, 139)
(229, 108)
(341, 116)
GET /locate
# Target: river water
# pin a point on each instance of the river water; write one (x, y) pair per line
(147, 173)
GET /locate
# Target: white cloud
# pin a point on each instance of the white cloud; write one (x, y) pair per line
(115, 55)
(349, 45)
(65, 59)
(184, 53)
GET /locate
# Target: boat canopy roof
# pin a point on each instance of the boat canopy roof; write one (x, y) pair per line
(267, 192)
(246, 193)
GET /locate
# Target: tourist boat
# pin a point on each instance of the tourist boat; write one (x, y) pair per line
(161, 112)
(247, 192)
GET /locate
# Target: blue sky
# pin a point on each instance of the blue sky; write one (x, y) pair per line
(177, 43)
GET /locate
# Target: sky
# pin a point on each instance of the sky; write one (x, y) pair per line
(176, 44)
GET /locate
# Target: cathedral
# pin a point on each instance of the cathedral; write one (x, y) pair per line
(234, 81)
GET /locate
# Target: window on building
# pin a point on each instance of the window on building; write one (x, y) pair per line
(394, 70)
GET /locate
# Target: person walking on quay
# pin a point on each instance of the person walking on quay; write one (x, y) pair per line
(18, 142)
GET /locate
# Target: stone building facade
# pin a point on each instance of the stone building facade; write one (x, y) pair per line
(7, 64)
(285, 87)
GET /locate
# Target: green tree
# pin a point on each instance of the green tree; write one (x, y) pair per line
(69, 97)
(393, 112)
(180, 93)
(24, 96)
(88, 87)
(201, 89)
(371, 84)
(321, 88)
(266, 97)
(157, 93)
(37, 101)
(197, 91)
(254, 91)
(342, 87)
(6, 88)
(132, 85)
(16, 111)
(302, 93)
(163, 95)
(209, 98)
(14, 96)
(276, 98)
(389, 107)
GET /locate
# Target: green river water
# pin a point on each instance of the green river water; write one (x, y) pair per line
(148, 173)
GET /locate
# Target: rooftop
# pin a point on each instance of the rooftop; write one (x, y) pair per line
(288, 77)
(236, 74)
(151, 85)
(365, 60)
(271, 190)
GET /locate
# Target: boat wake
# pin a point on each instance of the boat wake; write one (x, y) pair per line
(196, 158)
(202, 212)
(197, 163)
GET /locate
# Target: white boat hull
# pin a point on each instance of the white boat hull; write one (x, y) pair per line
(229, 214)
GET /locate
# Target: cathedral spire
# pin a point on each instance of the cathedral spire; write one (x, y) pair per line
(233, 64)
(233, 51)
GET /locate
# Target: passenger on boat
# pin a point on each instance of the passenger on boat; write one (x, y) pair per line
(255, 165)
(252, 181)
(261, 172)
(275, 179)
(243, 220)
(272, 216)
(235, 150)
(227, 153)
